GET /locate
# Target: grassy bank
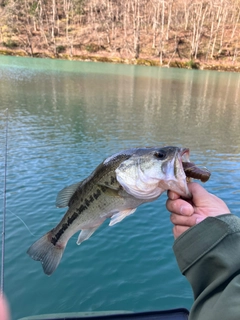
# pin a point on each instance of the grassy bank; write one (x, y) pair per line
(103, 57)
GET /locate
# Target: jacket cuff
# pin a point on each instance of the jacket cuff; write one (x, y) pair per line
(203, 237)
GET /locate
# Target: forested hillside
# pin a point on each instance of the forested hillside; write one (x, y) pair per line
(159, 30)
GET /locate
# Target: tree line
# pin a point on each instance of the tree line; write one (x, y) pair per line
(166, 29)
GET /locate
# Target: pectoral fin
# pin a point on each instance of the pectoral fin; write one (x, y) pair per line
(108, 191)
(85, 234)
(119, 216)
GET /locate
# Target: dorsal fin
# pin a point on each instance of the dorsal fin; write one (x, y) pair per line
(65, 195)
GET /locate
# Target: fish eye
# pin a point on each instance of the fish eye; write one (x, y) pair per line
(160, 155)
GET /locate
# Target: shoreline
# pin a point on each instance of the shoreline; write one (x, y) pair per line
(214, 65)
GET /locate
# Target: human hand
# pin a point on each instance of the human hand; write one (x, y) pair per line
(4, 310)
(187, 213)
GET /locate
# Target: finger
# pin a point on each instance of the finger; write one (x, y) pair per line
(180, 206)
(198, 192)
(178, 230)
(203, 199)
(173, 195)
(188, 221)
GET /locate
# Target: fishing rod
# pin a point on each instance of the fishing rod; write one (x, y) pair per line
(4, 204)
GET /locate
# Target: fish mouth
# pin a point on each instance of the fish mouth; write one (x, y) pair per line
(185, 170)
(184, 154)
(191, 169)
(181, 181)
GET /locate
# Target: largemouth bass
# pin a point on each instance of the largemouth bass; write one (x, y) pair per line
(114, 190)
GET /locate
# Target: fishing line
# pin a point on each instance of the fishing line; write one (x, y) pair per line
(24, 223)
(4, 204)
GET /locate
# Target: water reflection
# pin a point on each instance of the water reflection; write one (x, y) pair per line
(197, 108)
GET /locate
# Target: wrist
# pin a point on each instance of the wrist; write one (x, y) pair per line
(198, 240)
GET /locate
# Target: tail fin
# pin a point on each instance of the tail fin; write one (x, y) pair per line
(45, 251)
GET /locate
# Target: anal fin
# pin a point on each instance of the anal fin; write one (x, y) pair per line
(119, 216)
(85, 234)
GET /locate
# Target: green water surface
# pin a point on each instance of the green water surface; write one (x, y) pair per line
(64, 119)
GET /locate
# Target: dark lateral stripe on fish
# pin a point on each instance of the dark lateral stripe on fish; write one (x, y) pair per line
(77, 213)
(113, 180)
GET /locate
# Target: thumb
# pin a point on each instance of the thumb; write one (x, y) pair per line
(197, 191)
(209, 204)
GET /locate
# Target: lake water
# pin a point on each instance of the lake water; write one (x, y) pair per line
(64, 119)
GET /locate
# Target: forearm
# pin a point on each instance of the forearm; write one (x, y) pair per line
(208, 254)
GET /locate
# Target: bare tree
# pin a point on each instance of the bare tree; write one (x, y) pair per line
(161, 42)
(136, 27)
(131, 27)
(198, 18)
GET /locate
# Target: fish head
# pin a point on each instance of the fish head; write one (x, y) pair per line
(151, 171)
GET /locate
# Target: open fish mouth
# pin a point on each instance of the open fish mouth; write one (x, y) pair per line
(184, 172)
(191, 169)
(184, 154)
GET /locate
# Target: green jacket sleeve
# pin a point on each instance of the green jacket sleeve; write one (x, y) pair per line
(208, 254)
